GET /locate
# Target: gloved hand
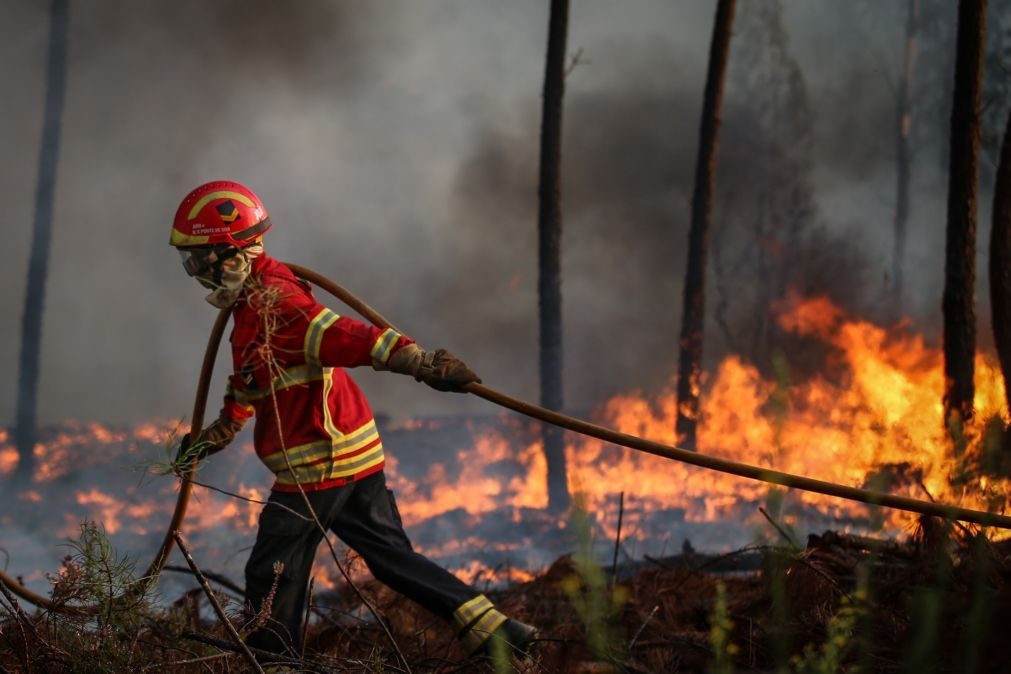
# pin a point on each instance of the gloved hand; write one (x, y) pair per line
(212, 440)
(445, 372)
(439, 369)
(186, 458)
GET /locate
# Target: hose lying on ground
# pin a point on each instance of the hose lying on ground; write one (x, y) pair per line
(576, 425)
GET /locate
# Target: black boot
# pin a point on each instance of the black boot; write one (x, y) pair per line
(511, 638)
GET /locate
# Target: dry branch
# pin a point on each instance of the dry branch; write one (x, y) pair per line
(267, 657)
(243, 648)
(221, 580)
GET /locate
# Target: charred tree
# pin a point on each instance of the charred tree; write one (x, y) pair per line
(902, 150)
(693, 309)
(549, 230)
(960, 250)
(38, 262)
(1000, 262)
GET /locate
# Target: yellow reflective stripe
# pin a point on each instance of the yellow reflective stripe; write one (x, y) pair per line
(314, 334)
(483, 629)
(276, 463)
(470, 610)
(321, 472)
(383, 346)
(294, 376)
(225, 194)
(328, 424)
(321, 449)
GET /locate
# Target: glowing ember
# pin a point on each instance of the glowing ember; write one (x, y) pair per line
(8, 459)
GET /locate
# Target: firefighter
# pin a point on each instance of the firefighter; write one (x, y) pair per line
(314, 429)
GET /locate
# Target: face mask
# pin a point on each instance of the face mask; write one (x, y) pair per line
(228, 276)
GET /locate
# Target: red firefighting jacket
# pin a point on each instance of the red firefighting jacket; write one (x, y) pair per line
(289, 352)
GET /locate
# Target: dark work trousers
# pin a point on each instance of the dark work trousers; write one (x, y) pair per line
(364, 515)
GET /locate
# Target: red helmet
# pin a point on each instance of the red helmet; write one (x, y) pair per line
(218, 212)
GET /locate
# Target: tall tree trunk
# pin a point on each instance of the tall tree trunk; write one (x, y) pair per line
(549, 228)
(1000, 261)
(960, 251)
(902, 154)
(38, 263)
(693, 310)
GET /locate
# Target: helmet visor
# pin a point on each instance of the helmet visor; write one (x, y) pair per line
(201, 260)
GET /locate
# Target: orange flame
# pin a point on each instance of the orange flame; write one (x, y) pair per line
(872, 417)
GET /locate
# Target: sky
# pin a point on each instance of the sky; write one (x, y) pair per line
(395, 147)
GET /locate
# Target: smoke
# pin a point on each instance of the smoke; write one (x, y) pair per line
(628, 162)
(395, 146)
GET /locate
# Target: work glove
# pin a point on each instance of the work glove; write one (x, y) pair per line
(439, 369)
(213, 439)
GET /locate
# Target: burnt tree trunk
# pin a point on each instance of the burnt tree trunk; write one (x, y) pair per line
(38, 262)
(549, 228)
(1000, 262)
(693, 309)
(960, 251)
(902, 153)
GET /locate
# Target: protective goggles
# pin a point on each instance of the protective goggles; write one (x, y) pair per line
(201, 260)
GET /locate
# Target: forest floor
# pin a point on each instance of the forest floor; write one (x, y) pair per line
(939, 602)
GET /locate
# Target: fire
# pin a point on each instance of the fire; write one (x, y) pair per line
(477, 490)
(872, 417)
(877, 410)
(875, 413)
(77, 445)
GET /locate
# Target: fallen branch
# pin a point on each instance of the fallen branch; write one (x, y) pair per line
(20, 622)
(243, 648)
(221, 580)
(21, 616)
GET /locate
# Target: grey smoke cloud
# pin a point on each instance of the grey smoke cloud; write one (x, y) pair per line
(395, 147)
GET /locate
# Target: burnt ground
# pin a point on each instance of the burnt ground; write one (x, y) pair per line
(940, 602)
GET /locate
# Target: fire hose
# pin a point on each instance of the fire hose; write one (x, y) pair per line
(789, 480)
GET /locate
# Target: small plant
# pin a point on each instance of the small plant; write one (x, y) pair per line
(101, 605)
(839, 642)
(720, 629)
(597, 605)
(94, 575)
